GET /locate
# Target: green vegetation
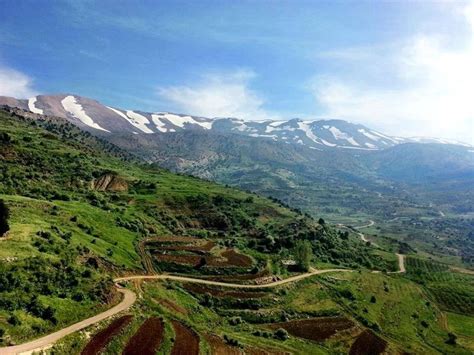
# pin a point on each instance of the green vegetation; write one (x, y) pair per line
(82, 212)
(452, 291)
(303, 253)
(79, 207)
(4, 215)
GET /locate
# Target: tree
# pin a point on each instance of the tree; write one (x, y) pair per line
(451, 339)
(321, 221)
(303, 253)
(281, 334)
(4, 215)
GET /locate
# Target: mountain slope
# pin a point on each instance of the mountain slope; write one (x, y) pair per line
(81, 210)
(316, 134)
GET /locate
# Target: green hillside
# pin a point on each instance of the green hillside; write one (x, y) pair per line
(79, 208)
(82, 212)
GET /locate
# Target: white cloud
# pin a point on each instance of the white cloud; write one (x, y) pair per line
(15, 84)
(218, 95)
(432, 92)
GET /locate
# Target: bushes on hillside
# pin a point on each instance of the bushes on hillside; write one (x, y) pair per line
(4, 215)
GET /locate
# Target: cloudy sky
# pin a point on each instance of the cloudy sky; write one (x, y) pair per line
(405, 68)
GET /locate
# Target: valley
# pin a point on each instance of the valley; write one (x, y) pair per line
(118, 247)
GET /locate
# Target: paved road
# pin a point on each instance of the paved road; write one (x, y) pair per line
(130, 298)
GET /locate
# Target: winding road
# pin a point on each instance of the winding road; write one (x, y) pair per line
(130, 297)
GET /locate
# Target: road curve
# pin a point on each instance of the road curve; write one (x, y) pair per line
(129, 299)
(226, 284)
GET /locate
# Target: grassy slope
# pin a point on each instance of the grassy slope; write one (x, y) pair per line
(46, 173)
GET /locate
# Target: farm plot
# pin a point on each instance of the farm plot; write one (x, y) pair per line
(368, 343)
(316, 329)
(230, 258)
(218, 292)
(147, 339)
(220, 347)
(100, 340)
(452, 291)
(196, 253)
(186, 340)
(173, 306)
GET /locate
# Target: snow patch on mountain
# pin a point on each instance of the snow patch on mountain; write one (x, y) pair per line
(70, 104)
(368, 135)
(273, 126)
(338, 134)
(327, 143)
(139, 121)
(160, 125)
(121, 114)
(306, 128)
(180, 121)
(32, 107)
(386, 137)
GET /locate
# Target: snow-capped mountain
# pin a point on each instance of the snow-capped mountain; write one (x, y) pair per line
(320, 134)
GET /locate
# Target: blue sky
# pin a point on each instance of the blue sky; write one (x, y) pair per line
(401, 67)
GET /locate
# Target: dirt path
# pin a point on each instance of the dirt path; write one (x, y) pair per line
(370, 224)
(146, 258)
(362, 235)
(401, 257)
(226, 284)
(129, 298)
(401, 265)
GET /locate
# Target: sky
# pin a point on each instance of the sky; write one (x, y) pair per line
(402, 67)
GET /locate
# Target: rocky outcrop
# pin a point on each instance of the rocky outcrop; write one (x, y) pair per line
(109, 182)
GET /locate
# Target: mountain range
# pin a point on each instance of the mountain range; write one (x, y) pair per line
(315, 134)
(329, 167)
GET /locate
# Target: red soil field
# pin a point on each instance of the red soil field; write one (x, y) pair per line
(173, 238)
(173, 306)
(229, 258)
(100, 340)
(257, 351)
(316, 329)
(147, 339)
(232, 259)
(216, 292)
(219, 346)
(205, 248)
(186, 340)
(193, 260)
(368, 343)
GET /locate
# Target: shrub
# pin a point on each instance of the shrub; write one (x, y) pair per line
(4, 215)
(281, 334)
(235, 321)
(451, 339)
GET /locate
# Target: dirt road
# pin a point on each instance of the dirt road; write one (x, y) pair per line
(401, 265)
(129, 299)
(225, 284)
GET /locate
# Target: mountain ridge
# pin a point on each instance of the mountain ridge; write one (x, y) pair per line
(321, 134)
